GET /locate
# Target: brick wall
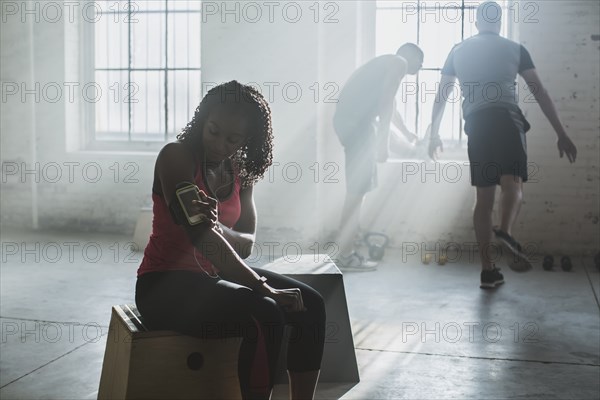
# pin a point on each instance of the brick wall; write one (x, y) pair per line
(561, 209)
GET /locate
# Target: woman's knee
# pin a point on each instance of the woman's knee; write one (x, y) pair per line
(265, 310)
(315, 305)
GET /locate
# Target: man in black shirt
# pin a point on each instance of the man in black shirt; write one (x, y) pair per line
(486, 66)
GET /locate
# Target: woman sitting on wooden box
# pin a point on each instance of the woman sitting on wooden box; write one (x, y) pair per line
(192, 278)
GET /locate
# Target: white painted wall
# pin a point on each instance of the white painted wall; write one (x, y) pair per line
(560, 212)
(75, 189)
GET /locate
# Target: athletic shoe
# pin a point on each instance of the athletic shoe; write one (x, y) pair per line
(508, 241)
(517, 259)
(490, 278)
(354, 262)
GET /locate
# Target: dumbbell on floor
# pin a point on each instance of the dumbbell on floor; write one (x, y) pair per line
(565, 263)
(548, 263)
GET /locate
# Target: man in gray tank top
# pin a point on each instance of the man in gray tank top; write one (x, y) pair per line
(366, 107)
(486, 66)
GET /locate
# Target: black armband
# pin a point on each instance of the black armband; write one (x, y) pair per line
(176, 211)
(180, 205)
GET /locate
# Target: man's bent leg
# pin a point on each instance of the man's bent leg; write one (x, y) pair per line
(361, 178)
(511, 199)
(350, 223)
(482, 221)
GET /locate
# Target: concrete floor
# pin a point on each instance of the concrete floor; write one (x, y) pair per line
(420, 331)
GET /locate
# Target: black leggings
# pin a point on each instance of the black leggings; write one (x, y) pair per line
(194, 304)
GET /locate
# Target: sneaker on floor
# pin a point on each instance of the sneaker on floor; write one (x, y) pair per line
(490, 278)
(517, 259)
(355, 262)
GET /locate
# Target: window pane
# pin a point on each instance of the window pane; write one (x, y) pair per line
(394, 3)
(437, 25)
(411, 6)
(110, 43)
(148, 107)
(184, 40)
(406, 100)
(148, 41)
(148, 5)
(185, 5)
(428, 86)
(140, 27)
(445, 3)
(184, 97)
(440, 31)
(392, 32)
(470, 28)
(106, 9)
(111, 108)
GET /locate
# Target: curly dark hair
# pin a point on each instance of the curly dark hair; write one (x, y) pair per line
(254, 158)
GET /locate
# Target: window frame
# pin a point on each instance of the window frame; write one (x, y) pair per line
(90, 142)
(454, 148)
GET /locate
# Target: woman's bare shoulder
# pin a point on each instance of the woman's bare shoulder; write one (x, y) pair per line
(175, 152)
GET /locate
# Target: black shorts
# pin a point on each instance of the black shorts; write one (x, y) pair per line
(360, 148)
(497, 145)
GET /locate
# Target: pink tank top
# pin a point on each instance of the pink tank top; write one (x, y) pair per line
(170, 249)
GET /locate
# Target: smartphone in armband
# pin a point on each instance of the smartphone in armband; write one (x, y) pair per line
(185, 195)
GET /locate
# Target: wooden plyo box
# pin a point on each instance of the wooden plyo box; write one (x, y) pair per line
(142, 364)
(320, 272)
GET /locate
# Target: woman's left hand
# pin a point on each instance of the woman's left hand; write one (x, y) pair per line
(208, 207)
(289, 299)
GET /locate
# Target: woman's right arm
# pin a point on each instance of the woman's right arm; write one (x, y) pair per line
(175, 165)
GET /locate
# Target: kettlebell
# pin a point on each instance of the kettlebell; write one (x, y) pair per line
(376, 242)
(548, 263)
(565, 263)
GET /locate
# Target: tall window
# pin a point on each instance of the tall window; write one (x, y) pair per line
(146, 62)
(436, 26)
